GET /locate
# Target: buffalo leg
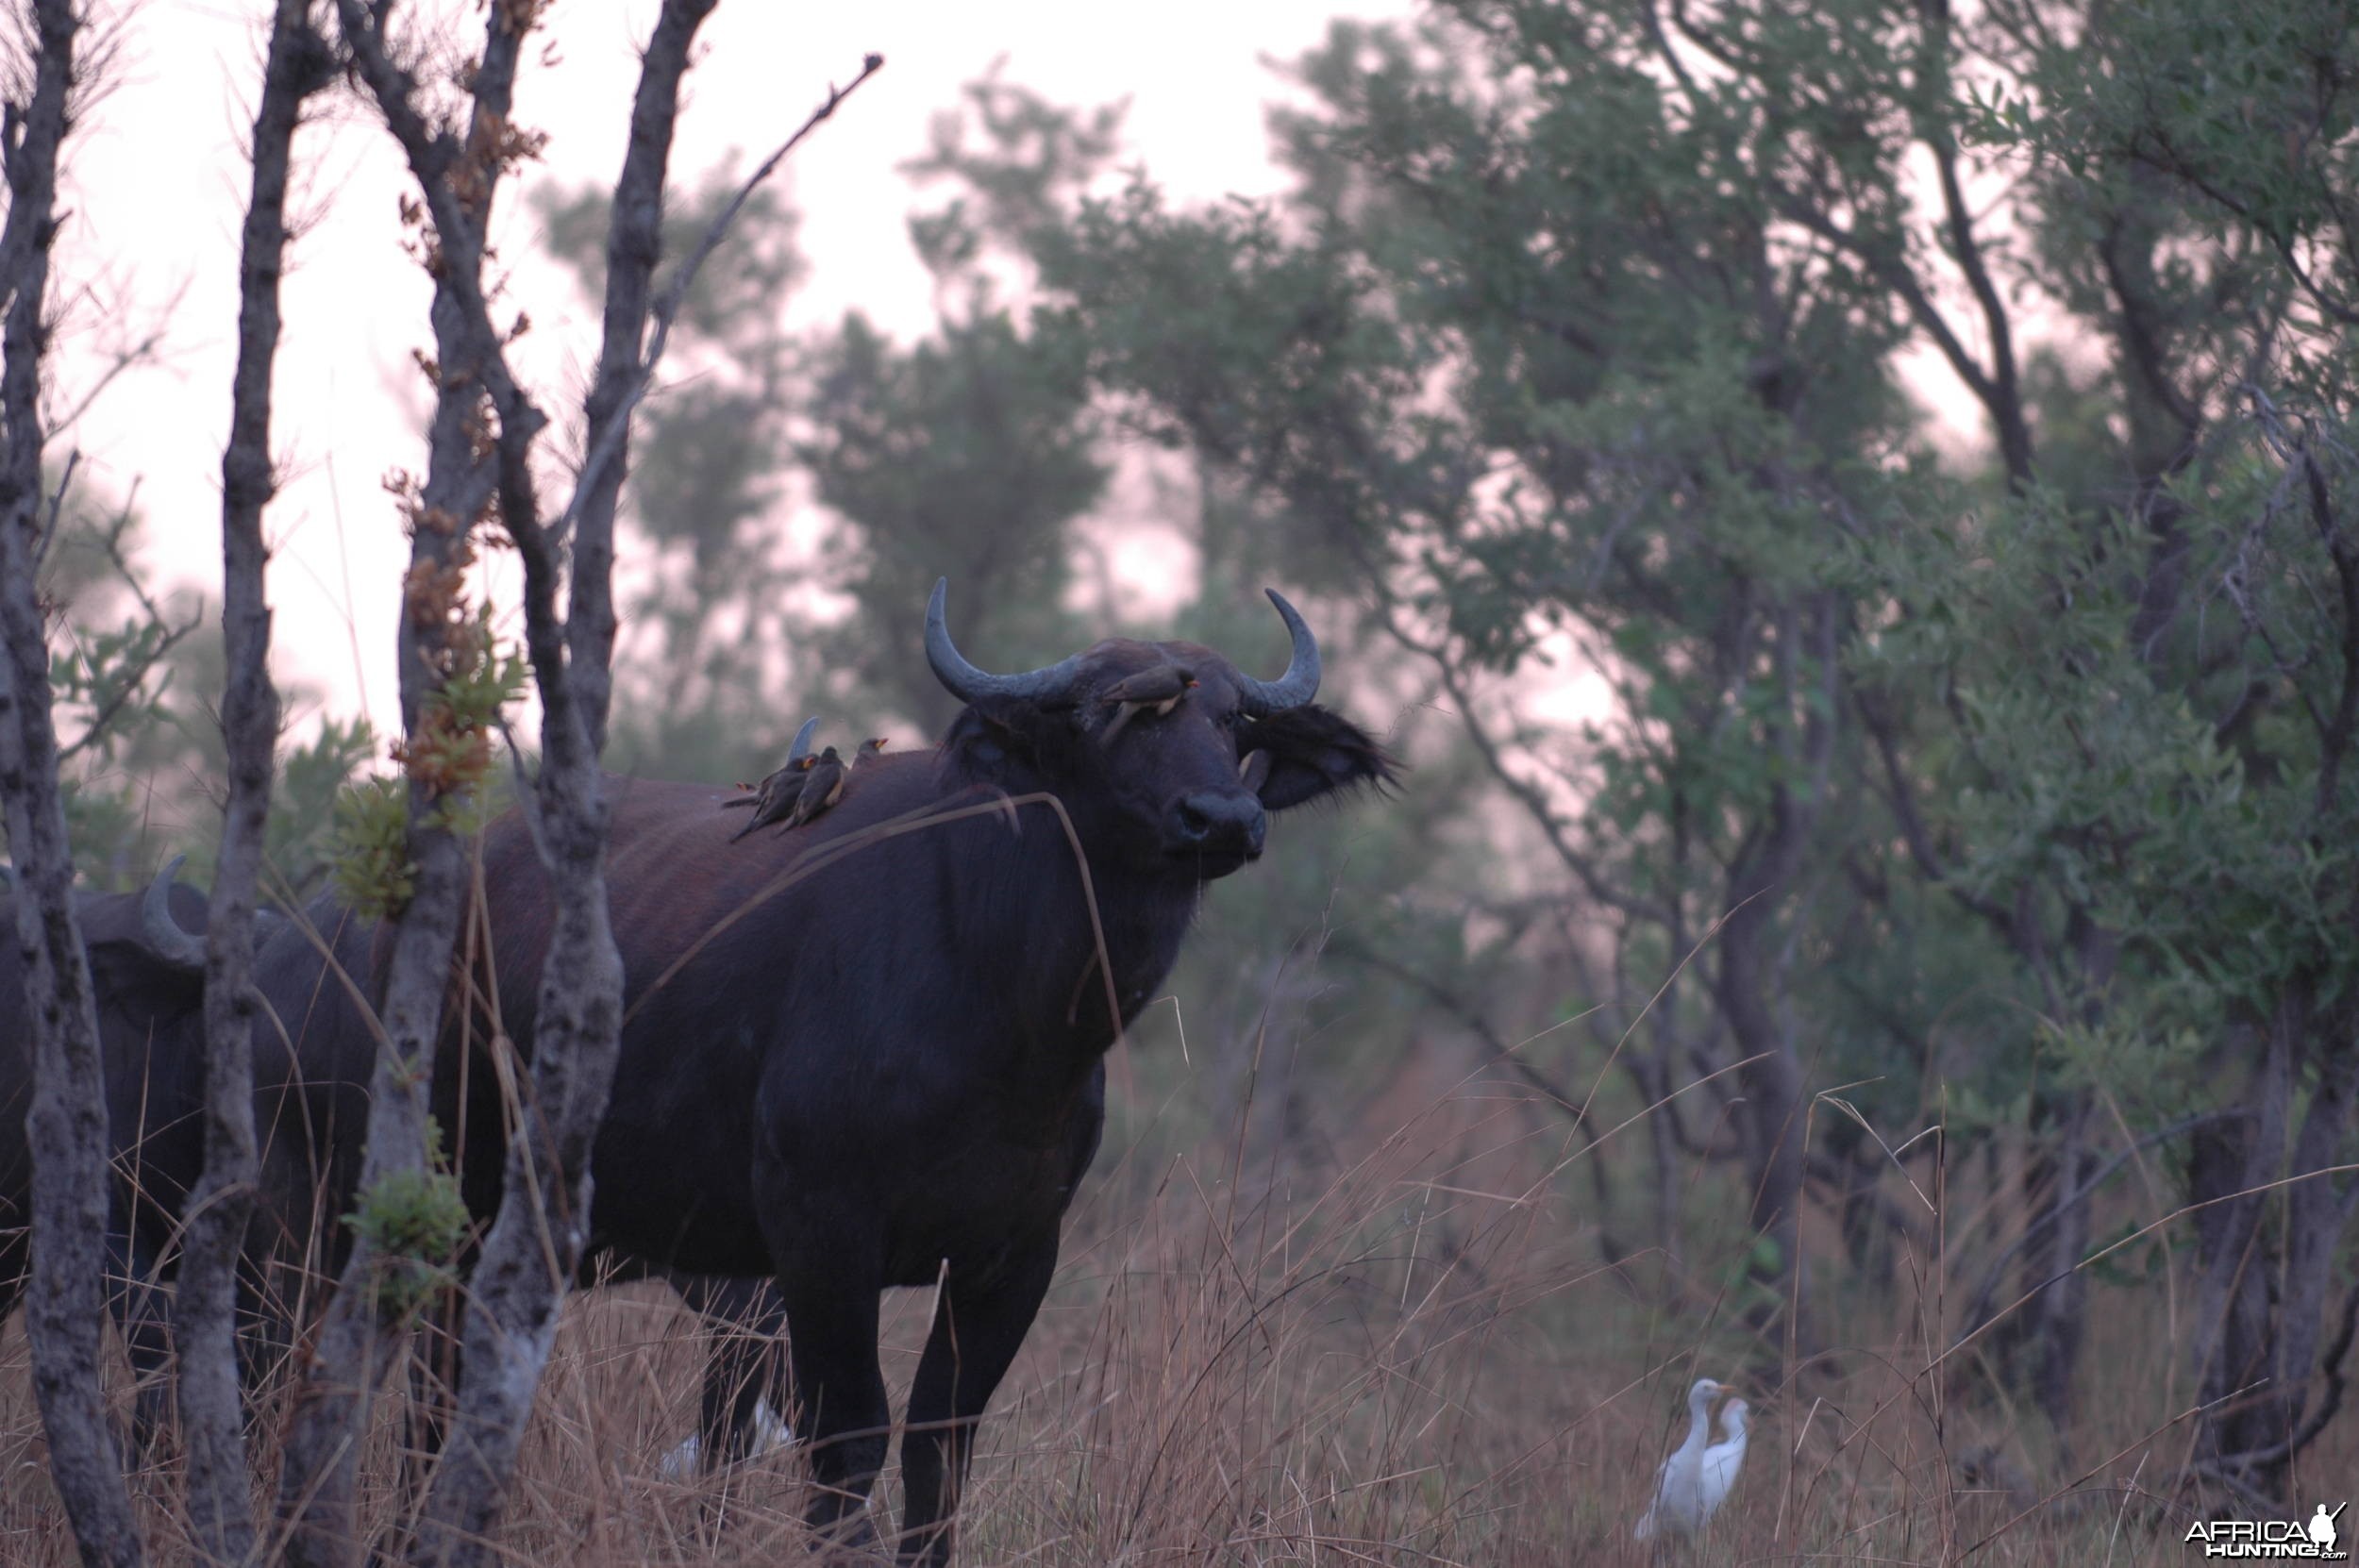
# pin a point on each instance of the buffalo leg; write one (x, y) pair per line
(975, 1334)
(831, 1322)
(144, 1313)
(743, 1368)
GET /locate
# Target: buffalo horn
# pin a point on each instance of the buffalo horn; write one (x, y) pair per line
(968, 684)
(165, 935)
(801, 748)
(1300, 682)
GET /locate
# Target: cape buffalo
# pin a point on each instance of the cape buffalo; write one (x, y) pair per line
(147, 974)
(155, 1097)
(869, 1052)
(315, 1051)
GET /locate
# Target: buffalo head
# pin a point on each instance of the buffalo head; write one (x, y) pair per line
(1167, 754)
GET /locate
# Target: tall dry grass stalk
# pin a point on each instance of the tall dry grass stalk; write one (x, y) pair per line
(1402, 1348)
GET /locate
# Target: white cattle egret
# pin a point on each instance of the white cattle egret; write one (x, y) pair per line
(1682, 1501)
(1722, 1457)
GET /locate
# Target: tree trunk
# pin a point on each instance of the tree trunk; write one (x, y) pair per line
(1772, 1079)
(363, 1328)
(535, 1245)
(221, 1508)
(66, 1307)
(2051, 1324)
(2260, 1301)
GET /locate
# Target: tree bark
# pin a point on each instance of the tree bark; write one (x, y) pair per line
(536, 1243)
(2051, 1322)
(221, 1508)
(359, 1338)
(66, 1307)
(2261, 1298)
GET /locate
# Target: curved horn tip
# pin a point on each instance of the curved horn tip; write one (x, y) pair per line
(1301, 683)
(937, 606)
(164, 933)
(801, 748)
(970, 684)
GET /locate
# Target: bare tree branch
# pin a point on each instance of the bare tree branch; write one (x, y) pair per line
(1529, 796)
(2004, 397)
(594, 487)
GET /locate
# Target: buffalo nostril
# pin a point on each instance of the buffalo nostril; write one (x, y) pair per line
(1221, 820)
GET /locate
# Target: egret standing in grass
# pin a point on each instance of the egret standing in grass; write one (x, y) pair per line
(1699, 1472)
(1722, 1457)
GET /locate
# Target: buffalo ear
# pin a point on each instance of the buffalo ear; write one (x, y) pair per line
(1313, 753)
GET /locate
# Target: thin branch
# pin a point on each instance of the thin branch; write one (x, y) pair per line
(1979, 1303)
(57, 507)
(610, 438)
(2004, 399)
(1894, 273)
(1535, 804)
(127, 687)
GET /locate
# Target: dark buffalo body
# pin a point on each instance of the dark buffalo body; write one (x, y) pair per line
(313, 1054)
(891, 1071)
(154, 1095)
(154, 1099)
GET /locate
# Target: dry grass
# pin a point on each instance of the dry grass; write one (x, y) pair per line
(1405, 1352)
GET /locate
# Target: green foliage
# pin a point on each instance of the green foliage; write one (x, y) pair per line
(2008, 779)
(484, 681)
(301, 839)
(371, 870)
(451, 752)
(967, 456)
(413, 1223)
(111, 682)
(1032, 157)
(135, 679)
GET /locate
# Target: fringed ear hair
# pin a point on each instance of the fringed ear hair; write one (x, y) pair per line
(1309, 752)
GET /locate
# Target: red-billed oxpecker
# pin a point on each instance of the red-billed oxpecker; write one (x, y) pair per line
(1157, 691)
(822, 788)
(775, 797)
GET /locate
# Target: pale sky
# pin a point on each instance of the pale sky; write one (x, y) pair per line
(156, 189)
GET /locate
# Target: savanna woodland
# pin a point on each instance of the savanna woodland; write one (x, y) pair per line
(1835, 528)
